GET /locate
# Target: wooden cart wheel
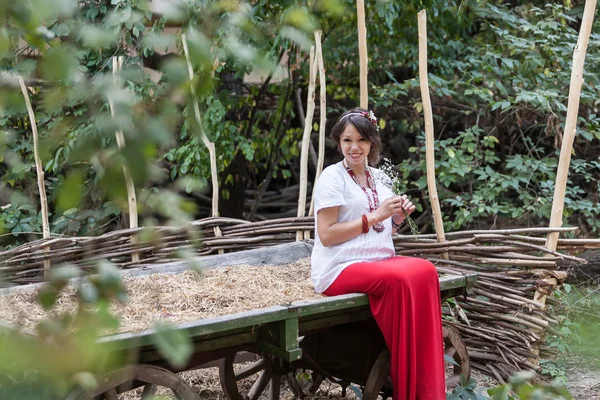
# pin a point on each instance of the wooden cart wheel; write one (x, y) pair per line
(377, 377)
(149, 376)
(455, 348)
(269, 371)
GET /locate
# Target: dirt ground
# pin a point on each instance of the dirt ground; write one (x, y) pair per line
(583, 380)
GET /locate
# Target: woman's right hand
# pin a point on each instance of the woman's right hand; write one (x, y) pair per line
(389, 207)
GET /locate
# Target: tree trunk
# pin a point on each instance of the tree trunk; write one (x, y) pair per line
(233, 206)
(584, 272)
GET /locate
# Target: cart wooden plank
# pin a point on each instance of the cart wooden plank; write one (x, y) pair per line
(285, 318)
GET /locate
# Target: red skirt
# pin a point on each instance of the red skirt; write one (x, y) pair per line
(404, 294)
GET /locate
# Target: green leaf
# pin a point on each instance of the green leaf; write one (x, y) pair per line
(173, 344)
(59, 64)
(63, 274)
(170, 10)
(69, 194)
(298, 17)
(175, 71)
(85, 380)
(157, 41)
(500, 392)
(108, 281)
(47, 296)
(450, 360)
(97, 37)
(88, 294)
(62, 29)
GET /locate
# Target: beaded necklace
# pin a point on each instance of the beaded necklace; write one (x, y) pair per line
(373, 204)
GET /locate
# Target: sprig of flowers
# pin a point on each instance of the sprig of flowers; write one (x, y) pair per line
(370, 115)
(395, 184)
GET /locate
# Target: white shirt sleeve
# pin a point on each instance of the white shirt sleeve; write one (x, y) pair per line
(329, 190)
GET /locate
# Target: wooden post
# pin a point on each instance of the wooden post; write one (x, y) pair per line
(428, 115)
(310, 110)
(39, 171)
(209, 145)
(117, 64)
(322, 113)
(558, 202)
(362, 54)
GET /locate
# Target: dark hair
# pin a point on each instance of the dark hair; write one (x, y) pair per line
(364, 126)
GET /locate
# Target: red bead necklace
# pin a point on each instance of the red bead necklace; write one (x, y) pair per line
(374, 203)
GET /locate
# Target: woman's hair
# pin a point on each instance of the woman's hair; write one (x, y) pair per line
(364, 126)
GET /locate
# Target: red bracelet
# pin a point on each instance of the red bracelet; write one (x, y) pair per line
(365, 224)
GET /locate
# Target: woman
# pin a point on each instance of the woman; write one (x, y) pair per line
(356, 214)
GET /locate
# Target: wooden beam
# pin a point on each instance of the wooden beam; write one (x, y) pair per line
(308, 125)
(117, 65)
(429, 138)
(209, 145)
(362, 54)
(322, 121)
(39, 170)
(558, 202)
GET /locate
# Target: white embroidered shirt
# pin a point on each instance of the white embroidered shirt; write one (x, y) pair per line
(335, 187)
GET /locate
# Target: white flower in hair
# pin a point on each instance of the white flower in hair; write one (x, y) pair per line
(370, 115)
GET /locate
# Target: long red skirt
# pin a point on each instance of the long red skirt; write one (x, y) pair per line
(404, 294)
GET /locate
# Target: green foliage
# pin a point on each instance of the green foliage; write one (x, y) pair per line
(474, 187)
(577, 312)
(64, 50)
(498, 75)
(69, 49)
(519, 387)
(18, 219)
(576, 339)
(65, 351)
(466, 390)
(173, 344)
(555, 369)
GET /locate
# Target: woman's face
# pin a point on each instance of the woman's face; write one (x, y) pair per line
(354, 147)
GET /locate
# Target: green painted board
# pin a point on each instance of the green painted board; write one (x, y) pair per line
(308, 307)
(247, 321)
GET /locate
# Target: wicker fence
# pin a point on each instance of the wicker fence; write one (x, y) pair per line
(503, 324)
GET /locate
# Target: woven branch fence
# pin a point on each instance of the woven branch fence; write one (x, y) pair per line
(500, 322)
(24, 264)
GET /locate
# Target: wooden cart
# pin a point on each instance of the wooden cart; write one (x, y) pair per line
(335, 338)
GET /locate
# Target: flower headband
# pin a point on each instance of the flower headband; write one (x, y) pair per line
(370, 115)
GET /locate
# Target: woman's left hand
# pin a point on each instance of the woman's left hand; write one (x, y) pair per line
(407, 207)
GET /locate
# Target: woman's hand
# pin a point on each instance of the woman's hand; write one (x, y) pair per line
(396, 205)
(406, 208)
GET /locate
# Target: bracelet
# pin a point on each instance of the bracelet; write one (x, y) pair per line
(365, 224)
(398, 226)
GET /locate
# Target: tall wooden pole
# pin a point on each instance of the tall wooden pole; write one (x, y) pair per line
(117, 64)
(308, 125)
(362, 54)
(322, 112)
(39, 171)
(428, 115)
(209, 145)
(558, 202)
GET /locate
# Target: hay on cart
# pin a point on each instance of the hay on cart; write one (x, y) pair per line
(177, 298)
